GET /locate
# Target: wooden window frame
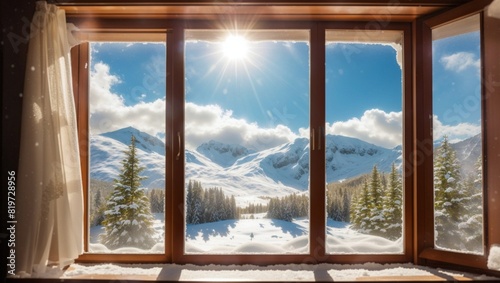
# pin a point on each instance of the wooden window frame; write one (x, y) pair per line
(80, 56)
(419, 244)
(175, 126)
(408, 118)
(425, 251)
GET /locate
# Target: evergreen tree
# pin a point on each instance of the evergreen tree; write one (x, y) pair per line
(375, 222)
(208, 205)
(360, 211)
(288, 207)
(98, 199)
(338, 203)
(195, 204)
(98, 209)
(346, 205)
(189, 203)
(448, 197)
(234, 209)
(128, 220)
(472, 221)
(157, 200)
(393, 206)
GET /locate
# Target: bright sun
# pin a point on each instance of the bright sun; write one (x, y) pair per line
(235, 47)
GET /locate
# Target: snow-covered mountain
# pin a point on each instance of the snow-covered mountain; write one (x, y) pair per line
(349, 157)
(222, 154)
(144, 141)
(468, 152)
(239, 171)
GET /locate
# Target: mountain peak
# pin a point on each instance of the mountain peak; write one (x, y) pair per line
(222, 154)
(143, 141)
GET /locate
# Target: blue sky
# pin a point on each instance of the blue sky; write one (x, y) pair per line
(262, 99)
(456, 83)
(368, 78)
(271, 86)
(139, 67)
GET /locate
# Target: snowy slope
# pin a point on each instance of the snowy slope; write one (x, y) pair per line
(349, 157)
(247, 181)
(143, 141)
(468, 153)
(222, 154)
(107, 154)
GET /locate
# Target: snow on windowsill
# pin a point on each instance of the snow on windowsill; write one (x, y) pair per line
(286, 272)
(494, 258)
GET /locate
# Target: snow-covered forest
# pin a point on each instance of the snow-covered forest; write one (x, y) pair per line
(458, 202)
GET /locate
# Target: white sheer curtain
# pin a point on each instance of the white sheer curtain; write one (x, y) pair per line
(49, 191)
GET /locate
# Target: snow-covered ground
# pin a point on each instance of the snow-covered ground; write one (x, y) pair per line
(158, 225)
(262, 235)
(343, 240)
(247, 236)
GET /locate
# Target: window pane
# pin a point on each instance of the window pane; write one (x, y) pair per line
(458, 185)
(364, 137)
(127, 151)
(247, 150)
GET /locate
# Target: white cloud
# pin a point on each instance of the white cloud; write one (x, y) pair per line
(108, 111)
(203, 123)
(460, 61)
(375, 126)
(385, 129)
(211, 122)
(455, 133)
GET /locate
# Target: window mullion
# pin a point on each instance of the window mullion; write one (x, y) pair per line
(175, 160)
(169, 149)
(317, 160)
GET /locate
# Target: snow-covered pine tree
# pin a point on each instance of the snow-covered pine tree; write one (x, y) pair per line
(195, 207)
(160, 206)
(472, 221)
(360, 211)
(234, 209)
(376, 219)
(98, 209)
(286, 209)
(98, 199)
(393, 206)
(346, 204)
(338, 203)
(448, 198)
(271, 208)
(157, 200)
(333, 207)
(208, 205)
(153, 201)
(221, 212)
(128, 220)
(189, 203)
